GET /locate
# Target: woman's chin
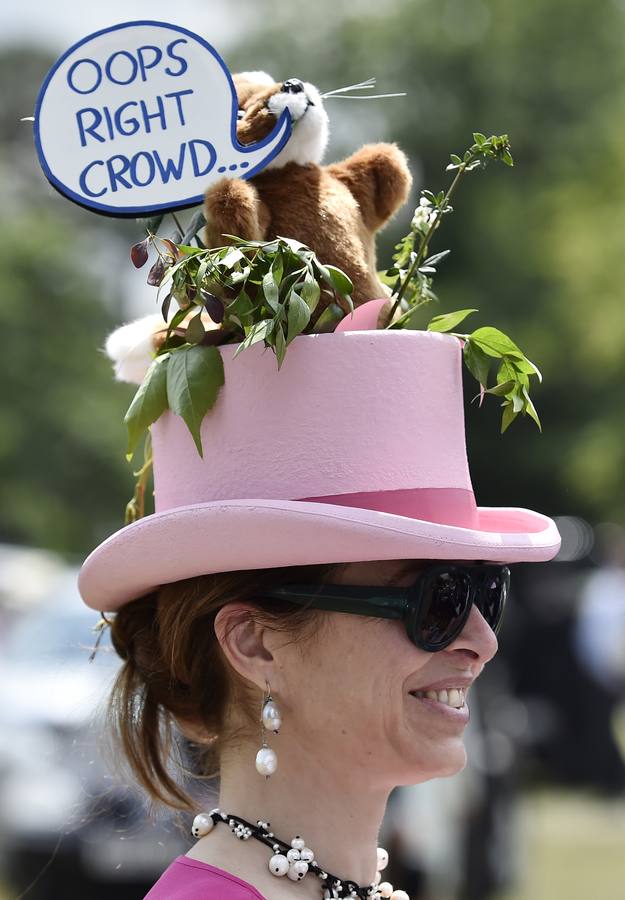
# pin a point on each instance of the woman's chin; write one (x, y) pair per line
(442, 762)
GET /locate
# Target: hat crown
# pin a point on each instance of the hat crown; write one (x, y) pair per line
(354, 450)
(349, 412)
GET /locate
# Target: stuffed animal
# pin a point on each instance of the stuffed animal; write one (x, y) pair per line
(336, 210)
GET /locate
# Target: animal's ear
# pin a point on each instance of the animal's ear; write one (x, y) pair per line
(251, 86)
(261, 79)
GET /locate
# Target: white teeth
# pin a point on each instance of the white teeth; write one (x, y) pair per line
(453, 697)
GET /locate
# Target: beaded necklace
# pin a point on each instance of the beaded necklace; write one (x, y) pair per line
(295, 860)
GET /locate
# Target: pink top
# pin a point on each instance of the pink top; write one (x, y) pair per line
(190, 879)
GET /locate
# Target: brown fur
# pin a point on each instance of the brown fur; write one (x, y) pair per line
(336, 209)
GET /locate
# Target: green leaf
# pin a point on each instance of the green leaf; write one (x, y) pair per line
(257, 332)
(476, 361)
(270, 291)
(502, 389)
(200, 275)
(433, 260)
(280, 345)
(527, 366)
(230, 258)
(148, 403)
(190, 251)
(329, 318)
(508, 416)
(280, 315)
(298, 316)
(337, 279)
(194, 377)
(531, 409)
(507, 372)
(176, 319)
(448, 321)
(277, 268)
(517, 402)
(241, 305)
(495, 342)
(310, 292)
(195, 330)
(295, 246)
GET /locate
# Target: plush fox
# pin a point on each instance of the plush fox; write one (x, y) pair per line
(335, 210)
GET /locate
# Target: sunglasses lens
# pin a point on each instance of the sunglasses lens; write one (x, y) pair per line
(443, 609)
(492, 596)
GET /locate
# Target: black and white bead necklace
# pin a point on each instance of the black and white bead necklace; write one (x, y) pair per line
(295, 860)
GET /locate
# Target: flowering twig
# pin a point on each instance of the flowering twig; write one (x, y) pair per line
(410, 272)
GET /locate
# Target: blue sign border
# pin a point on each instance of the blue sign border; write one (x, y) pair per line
(133, 212)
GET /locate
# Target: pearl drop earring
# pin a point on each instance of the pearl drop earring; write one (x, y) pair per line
(270, 720)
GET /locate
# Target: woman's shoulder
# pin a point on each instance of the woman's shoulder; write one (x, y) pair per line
(190, 879)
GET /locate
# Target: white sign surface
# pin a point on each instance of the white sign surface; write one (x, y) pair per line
(141, 117)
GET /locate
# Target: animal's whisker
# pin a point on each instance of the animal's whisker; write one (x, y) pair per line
(369, 97)
(360, 86)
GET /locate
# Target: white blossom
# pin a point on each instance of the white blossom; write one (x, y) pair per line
(423, 216)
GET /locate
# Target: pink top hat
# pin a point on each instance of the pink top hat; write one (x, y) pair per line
(354, 450)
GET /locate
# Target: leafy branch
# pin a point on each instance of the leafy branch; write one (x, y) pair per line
(410, 275)
(411, 280)
(514, 370)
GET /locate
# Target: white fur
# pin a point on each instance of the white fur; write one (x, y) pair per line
(131, 347)
(311, 127)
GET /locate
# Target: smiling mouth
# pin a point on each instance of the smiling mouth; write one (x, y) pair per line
(453, 697)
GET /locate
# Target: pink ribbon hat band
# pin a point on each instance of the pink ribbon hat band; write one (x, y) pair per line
(354, 450)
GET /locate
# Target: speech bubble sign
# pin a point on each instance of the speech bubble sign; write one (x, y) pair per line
(141, 117)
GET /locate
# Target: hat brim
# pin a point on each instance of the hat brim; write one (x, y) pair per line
(234, 535)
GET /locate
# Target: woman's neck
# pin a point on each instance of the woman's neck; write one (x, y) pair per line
(327, 802)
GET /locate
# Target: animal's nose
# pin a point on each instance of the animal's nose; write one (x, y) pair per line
(293, 86)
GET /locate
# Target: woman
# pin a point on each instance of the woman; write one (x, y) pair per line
(355, 617)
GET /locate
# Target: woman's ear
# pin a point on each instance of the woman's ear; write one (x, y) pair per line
(243, 641)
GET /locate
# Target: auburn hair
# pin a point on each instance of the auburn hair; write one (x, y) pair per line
(174, 669)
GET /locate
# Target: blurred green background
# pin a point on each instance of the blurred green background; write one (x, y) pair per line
(538, 249)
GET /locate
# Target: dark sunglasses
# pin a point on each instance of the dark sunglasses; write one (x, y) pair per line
(434, 609)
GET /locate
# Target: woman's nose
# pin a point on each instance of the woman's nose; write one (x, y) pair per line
(477, 639)
(293, 86)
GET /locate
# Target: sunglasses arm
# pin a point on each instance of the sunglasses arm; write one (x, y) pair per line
(379, 602)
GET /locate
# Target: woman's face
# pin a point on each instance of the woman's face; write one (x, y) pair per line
(349, 691)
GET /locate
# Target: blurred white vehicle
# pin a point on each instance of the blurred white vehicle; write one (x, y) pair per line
(60, 806)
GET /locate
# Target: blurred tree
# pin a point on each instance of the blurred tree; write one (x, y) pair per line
(64, 480)
(535, 249)
(64, 477)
